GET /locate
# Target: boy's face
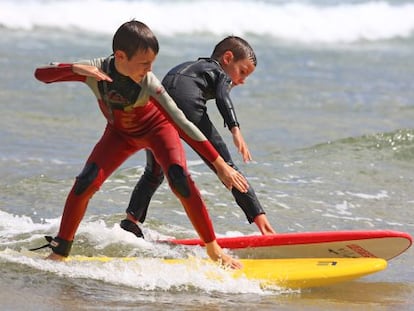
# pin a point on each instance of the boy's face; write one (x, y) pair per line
(137, 67)
(238, 70)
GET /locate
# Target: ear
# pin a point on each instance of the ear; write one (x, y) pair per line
(120, 55)
(227, 57)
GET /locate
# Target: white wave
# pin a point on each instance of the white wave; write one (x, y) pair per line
(21, 232)
(18, 229)
(147, 273)
(293, 21)
(15, 225)
(144, 273)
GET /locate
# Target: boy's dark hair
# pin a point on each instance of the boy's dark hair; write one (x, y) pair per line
(134, 36)
(240, 48)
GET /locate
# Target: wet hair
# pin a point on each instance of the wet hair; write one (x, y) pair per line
(240, 48)
(134, 36)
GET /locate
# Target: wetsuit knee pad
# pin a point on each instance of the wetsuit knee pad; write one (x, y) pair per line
(86, 178)
(179, 180)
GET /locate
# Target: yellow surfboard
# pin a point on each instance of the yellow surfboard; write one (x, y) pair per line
(289, 273)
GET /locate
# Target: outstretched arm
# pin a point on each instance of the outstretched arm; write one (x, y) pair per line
(60, 72)
(90, 71)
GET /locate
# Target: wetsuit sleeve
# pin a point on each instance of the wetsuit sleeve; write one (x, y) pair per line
(224, 103)
(187, 130)
(57, 72)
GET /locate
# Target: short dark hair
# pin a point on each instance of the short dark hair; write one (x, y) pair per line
(240, 48)
(134, 36)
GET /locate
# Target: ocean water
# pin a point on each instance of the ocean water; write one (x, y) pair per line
(328, 116)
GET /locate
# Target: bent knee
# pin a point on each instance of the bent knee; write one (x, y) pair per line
(179, 180)
(90, 177)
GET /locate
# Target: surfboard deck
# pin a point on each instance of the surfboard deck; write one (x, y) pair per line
(298, 273)
(384, 244)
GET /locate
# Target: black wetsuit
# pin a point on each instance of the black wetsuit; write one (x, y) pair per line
(191, 85)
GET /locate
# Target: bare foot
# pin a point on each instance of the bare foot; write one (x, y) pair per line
(56, 257)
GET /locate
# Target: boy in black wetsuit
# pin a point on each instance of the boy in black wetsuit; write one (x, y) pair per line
(191, 85)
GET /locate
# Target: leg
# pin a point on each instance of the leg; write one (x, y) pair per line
(169, 153)
(141, 196)
(110, 152)
(145, 188)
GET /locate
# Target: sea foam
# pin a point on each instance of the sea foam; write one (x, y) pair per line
(293, 21)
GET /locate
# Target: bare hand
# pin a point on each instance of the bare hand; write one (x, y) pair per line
(90, 71)
(229, 176)
(263, 224)
(241, 144)
(215, 252)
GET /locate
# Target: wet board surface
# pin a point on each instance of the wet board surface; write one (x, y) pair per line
(295, 273)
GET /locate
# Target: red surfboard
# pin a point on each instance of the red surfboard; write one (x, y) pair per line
(326, 244)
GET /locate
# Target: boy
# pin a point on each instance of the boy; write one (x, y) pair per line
(191, 85)
(140, 114)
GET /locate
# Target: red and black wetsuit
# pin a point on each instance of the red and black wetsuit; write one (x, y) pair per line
(191, 85)
(139, 116)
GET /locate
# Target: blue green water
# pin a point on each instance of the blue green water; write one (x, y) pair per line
(328, 122)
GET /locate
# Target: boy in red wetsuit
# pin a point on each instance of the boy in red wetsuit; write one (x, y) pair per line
(140, 114)
(191, 85)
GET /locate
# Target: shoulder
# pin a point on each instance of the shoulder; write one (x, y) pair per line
(151, 84)
(181, 68)
(150, 79)
(214, 70)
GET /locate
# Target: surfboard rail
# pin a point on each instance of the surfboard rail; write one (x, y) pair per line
(386, 244)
